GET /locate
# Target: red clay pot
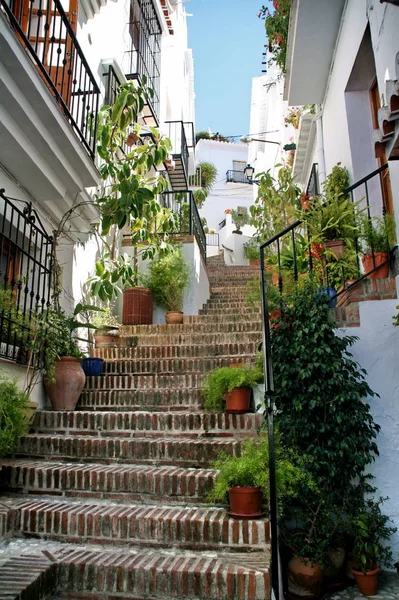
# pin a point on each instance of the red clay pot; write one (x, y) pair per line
(238, 400)
(304, 578)
(336, 247)
(69, 381)
(368, 265)
(254, 262)
(137, 306)
(174, 317)
(245, 502)
(367, 582)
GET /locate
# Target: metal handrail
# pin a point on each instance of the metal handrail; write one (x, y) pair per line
(233, 176)
(78, 99)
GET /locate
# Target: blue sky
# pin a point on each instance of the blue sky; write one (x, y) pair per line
(227, 40)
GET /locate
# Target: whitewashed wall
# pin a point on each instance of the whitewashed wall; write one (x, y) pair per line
(377, 351)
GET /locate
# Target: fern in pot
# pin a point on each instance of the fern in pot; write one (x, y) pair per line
(230, 388)
(168, 279)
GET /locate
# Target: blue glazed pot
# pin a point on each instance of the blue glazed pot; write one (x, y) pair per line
(92, 367)
(329, 291)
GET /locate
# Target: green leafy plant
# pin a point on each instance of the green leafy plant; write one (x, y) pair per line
(336, 183)
(168, 279)
(222, 380)
(251, 249)
(276, 24)
(377, 234)
(331, 220)
(370, 529)
(240, 218)
(13, 403)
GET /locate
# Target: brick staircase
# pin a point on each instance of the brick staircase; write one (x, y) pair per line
(111, 498)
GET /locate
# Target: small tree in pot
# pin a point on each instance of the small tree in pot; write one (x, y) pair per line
(240, 218)
(230, 387)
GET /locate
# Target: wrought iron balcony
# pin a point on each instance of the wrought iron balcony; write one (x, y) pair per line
(236, 177)
(47, 33)
(182, 137)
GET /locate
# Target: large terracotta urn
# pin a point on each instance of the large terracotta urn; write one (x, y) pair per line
(305, 579)
(69, 380)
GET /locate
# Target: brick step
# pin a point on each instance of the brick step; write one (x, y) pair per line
(26, 578)
(222, 316)
(229, 291)
(143, 424)
(153, 574)
(124, 483)
(150, 526)
(185, 339)
(144, 381)
(231, 282)
(172, 365)
(183, 452)
(177, 351)
(152, 399)
(186, 328)
(222, 309)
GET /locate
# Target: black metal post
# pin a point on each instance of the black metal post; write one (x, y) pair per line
(269, 389)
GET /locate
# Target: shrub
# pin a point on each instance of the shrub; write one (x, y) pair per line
(13, 403)
(168, 279)
(377, 235)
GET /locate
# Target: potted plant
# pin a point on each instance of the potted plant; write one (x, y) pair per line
(168, 279)
(377, 236)
(14, 414)
(244, 480)
(240, 218)
(251, 251)
(230, 388)
(370, 529)
(107, 326)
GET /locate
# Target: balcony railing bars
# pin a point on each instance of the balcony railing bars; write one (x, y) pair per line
(195, 180)
(212, 239)
(236, 177)
(26, 263)
(188, 220)
(144, 56)
(177, 135)
(43, 28)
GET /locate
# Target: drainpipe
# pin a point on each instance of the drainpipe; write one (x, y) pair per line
(320, 159)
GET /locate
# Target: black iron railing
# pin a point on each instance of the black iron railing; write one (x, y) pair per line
(176, 132)
(45, 31)
(188, 220)
(236, 177)
(291, 254)
(144, 56)
(212, 239)
(26, 262)
(190, 135)
(313, 188)
(195, 180)
(222, 224)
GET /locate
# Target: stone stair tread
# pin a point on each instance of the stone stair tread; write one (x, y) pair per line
(196, 364)
(102, 520)
(175, 351)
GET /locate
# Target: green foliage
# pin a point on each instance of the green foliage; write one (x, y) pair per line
(208, 175)
(377, 234)
(13, 403)
(336, 183)
(240, 218)
(276, 24)
(16, 327)
(111, 276)
(251, 249)
(275, 203)
(168, 279)
(222, 380)
(370, 528)
(331, 220)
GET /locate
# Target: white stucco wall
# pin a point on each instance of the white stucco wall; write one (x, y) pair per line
(223, 195)
(377, 351)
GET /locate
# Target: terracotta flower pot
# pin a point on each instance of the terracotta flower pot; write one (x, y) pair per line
(367, 582)
(238, 400)
(137, 306)
(254, 262)
(379, 258)
(132, 139)
(304, 578)
(245, 502)
(174, 317)
(336, 247)
(69, 381)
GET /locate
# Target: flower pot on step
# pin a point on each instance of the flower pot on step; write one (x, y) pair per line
(245, 502)
(92, 366)
(107, 336)
(238, 400)
(369, 265)
(69, 380)
(304, 578)
(367, 582)
(336, 247)
(174, 317)
(137, 306)
(254, 262)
